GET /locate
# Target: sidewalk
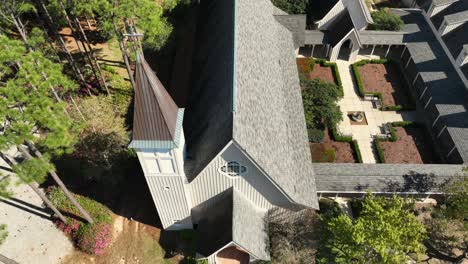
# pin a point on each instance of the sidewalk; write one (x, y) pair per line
(32, 237)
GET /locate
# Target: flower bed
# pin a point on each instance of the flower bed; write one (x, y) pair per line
(90, 238)
(396, 97)
(336, 148)
(307, 66)
(407, 144)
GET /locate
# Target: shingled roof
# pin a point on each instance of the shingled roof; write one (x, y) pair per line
(247, 90)
(232, 218)
(402, 178)
(157, 120)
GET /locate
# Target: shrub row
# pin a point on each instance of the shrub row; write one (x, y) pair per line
(336, 73)
(338, 137)
(354, 144)
(380, 153)
(393, 138)
(357, 150)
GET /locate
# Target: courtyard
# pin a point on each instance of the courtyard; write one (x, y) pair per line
(381, 97)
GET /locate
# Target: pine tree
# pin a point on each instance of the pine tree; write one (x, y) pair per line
(28, 109)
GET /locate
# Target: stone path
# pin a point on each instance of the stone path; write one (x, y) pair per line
(32, 237)
(375, 118)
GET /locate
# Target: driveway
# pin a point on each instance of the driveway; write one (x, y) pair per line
(32, 237)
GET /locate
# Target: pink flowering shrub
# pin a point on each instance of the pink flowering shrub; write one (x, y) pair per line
(94, 239)
(90, 238)
(69, 229)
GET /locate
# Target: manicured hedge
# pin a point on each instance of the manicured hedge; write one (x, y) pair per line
(361, 90)
(357, 150)
(336, 73)
(380, 153)
(393, 138)
(354, 144)
(340, 138)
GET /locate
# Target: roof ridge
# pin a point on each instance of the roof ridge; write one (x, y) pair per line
(165, 103)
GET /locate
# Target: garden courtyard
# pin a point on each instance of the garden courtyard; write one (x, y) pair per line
(389, 131)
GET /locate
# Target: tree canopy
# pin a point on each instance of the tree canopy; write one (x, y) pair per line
(320, 103)
(292, 6)
(385, 231)
(384, 20)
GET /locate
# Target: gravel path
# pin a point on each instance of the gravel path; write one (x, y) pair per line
(32, 237)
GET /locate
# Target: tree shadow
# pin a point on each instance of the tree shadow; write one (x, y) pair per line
(412, 182)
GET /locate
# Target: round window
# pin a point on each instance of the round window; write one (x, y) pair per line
(233, 168)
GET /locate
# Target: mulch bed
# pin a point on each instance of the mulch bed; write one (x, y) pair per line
(410, 148)
(343, 151)
(386, 79)
(322, 73)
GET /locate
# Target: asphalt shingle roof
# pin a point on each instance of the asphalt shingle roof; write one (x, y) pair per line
(269, 121)
(409, 178)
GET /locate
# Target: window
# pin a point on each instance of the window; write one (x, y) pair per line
(160, 162)
(233, 168)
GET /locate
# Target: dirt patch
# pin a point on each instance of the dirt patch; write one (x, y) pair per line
(410, 148)
(344, 152)
(387, 80)
(322, 73)
(136, 243)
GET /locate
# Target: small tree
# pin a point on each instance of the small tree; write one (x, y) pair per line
(448, 228)
(319, 99)
(385, 232)
(384, 20)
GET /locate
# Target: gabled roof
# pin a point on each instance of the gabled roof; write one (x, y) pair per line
(359, 13)
(247, 90)
(232, 218)
(157, 120)
(457, 17)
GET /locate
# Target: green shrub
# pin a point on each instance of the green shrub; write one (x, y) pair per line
(90, 238)
(311, 64)
(357, 150)
(316, 135)
(384, 20)
(340, 138)
(330, 155)
(320, 103)
(378, 148)
(329, 208)
(357, 76)
(336, 75)
(292, 6)
(356, 207)
(402, 123)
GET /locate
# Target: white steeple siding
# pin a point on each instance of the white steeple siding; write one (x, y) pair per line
(164, 173)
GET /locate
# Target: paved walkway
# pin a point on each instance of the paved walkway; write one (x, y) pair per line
(351, 102)
(32, 237)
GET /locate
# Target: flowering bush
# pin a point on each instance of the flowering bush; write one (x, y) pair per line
(90, 238)
(94, 239)
(69, 229)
